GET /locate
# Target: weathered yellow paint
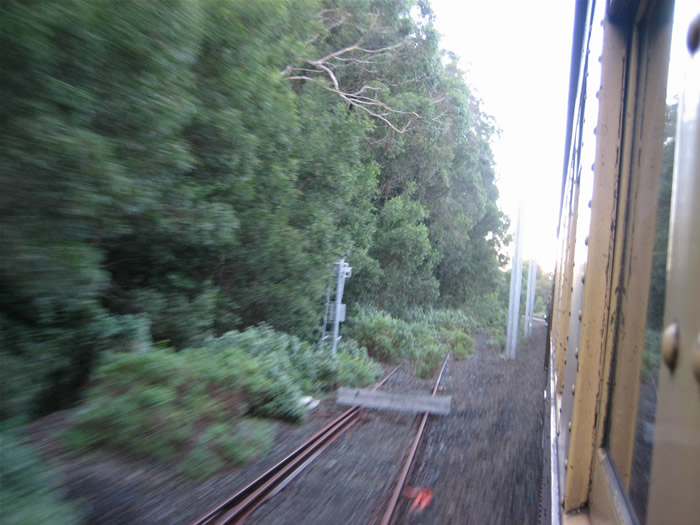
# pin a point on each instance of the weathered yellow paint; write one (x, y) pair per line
(577, 518)
(598, 289)
(610, 351)
(568, 272)
(617, 262)
(556, 302)
(559, 290)
(641, 171)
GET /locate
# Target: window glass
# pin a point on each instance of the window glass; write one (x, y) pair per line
(646, 409)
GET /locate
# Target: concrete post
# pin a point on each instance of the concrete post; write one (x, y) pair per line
(530, 300)
(514, 300)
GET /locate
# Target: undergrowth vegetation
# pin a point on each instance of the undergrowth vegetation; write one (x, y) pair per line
(207, 407)
(424, 338)
(28, 494)
(210, 406)
(190, 176)
(355, 367)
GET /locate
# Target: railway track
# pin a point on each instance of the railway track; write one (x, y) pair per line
(391, 509)
(237, 507)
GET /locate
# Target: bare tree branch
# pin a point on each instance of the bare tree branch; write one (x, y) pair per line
(324, 70)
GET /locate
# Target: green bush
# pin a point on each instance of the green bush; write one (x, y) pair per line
(223, 443)
(376, 331)
(451, 328)
(540, 307)
(149, 404)
(424, 339)
(492, 311)
(461, 344)
(28, 494)
(491, 318)
(276, 396)
(448, 319)
(496, 337)
(355, 367)
(46, 367)
(182, 311)
(162, 403)
(428, 359)
(313, 370)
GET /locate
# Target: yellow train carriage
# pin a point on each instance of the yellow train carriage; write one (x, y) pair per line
(607, 463)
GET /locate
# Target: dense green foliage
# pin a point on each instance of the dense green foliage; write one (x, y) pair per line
(355, 367)
(171, 171)
(543, 291)
(423, 338)
(198, 405)
(29, 494)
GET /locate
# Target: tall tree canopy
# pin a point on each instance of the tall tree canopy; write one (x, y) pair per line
(174, 170)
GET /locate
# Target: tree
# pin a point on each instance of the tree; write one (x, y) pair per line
(402, 249)
(82, 80)
(356, 43)
(172, 170)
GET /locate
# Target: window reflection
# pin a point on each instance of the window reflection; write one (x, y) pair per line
(646, 410)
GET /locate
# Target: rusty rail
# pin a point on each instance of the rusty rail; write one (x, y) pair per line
(237, 507)
(408, 464)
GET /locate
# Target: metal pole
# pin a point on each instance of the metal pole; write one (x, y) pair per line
(338, 303)
(534, 291)
(326, 313)
(514, 301)
(530, 301)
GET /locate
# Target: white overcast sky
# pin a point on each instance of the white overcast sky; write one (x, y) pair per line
(516, 55)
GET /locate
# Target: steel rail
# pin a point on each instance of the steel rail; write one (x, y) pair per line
(408, 464)
(237, 507)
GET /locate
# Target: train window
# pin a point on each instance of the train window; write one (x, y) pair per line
(631, 426)
(651, 351)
